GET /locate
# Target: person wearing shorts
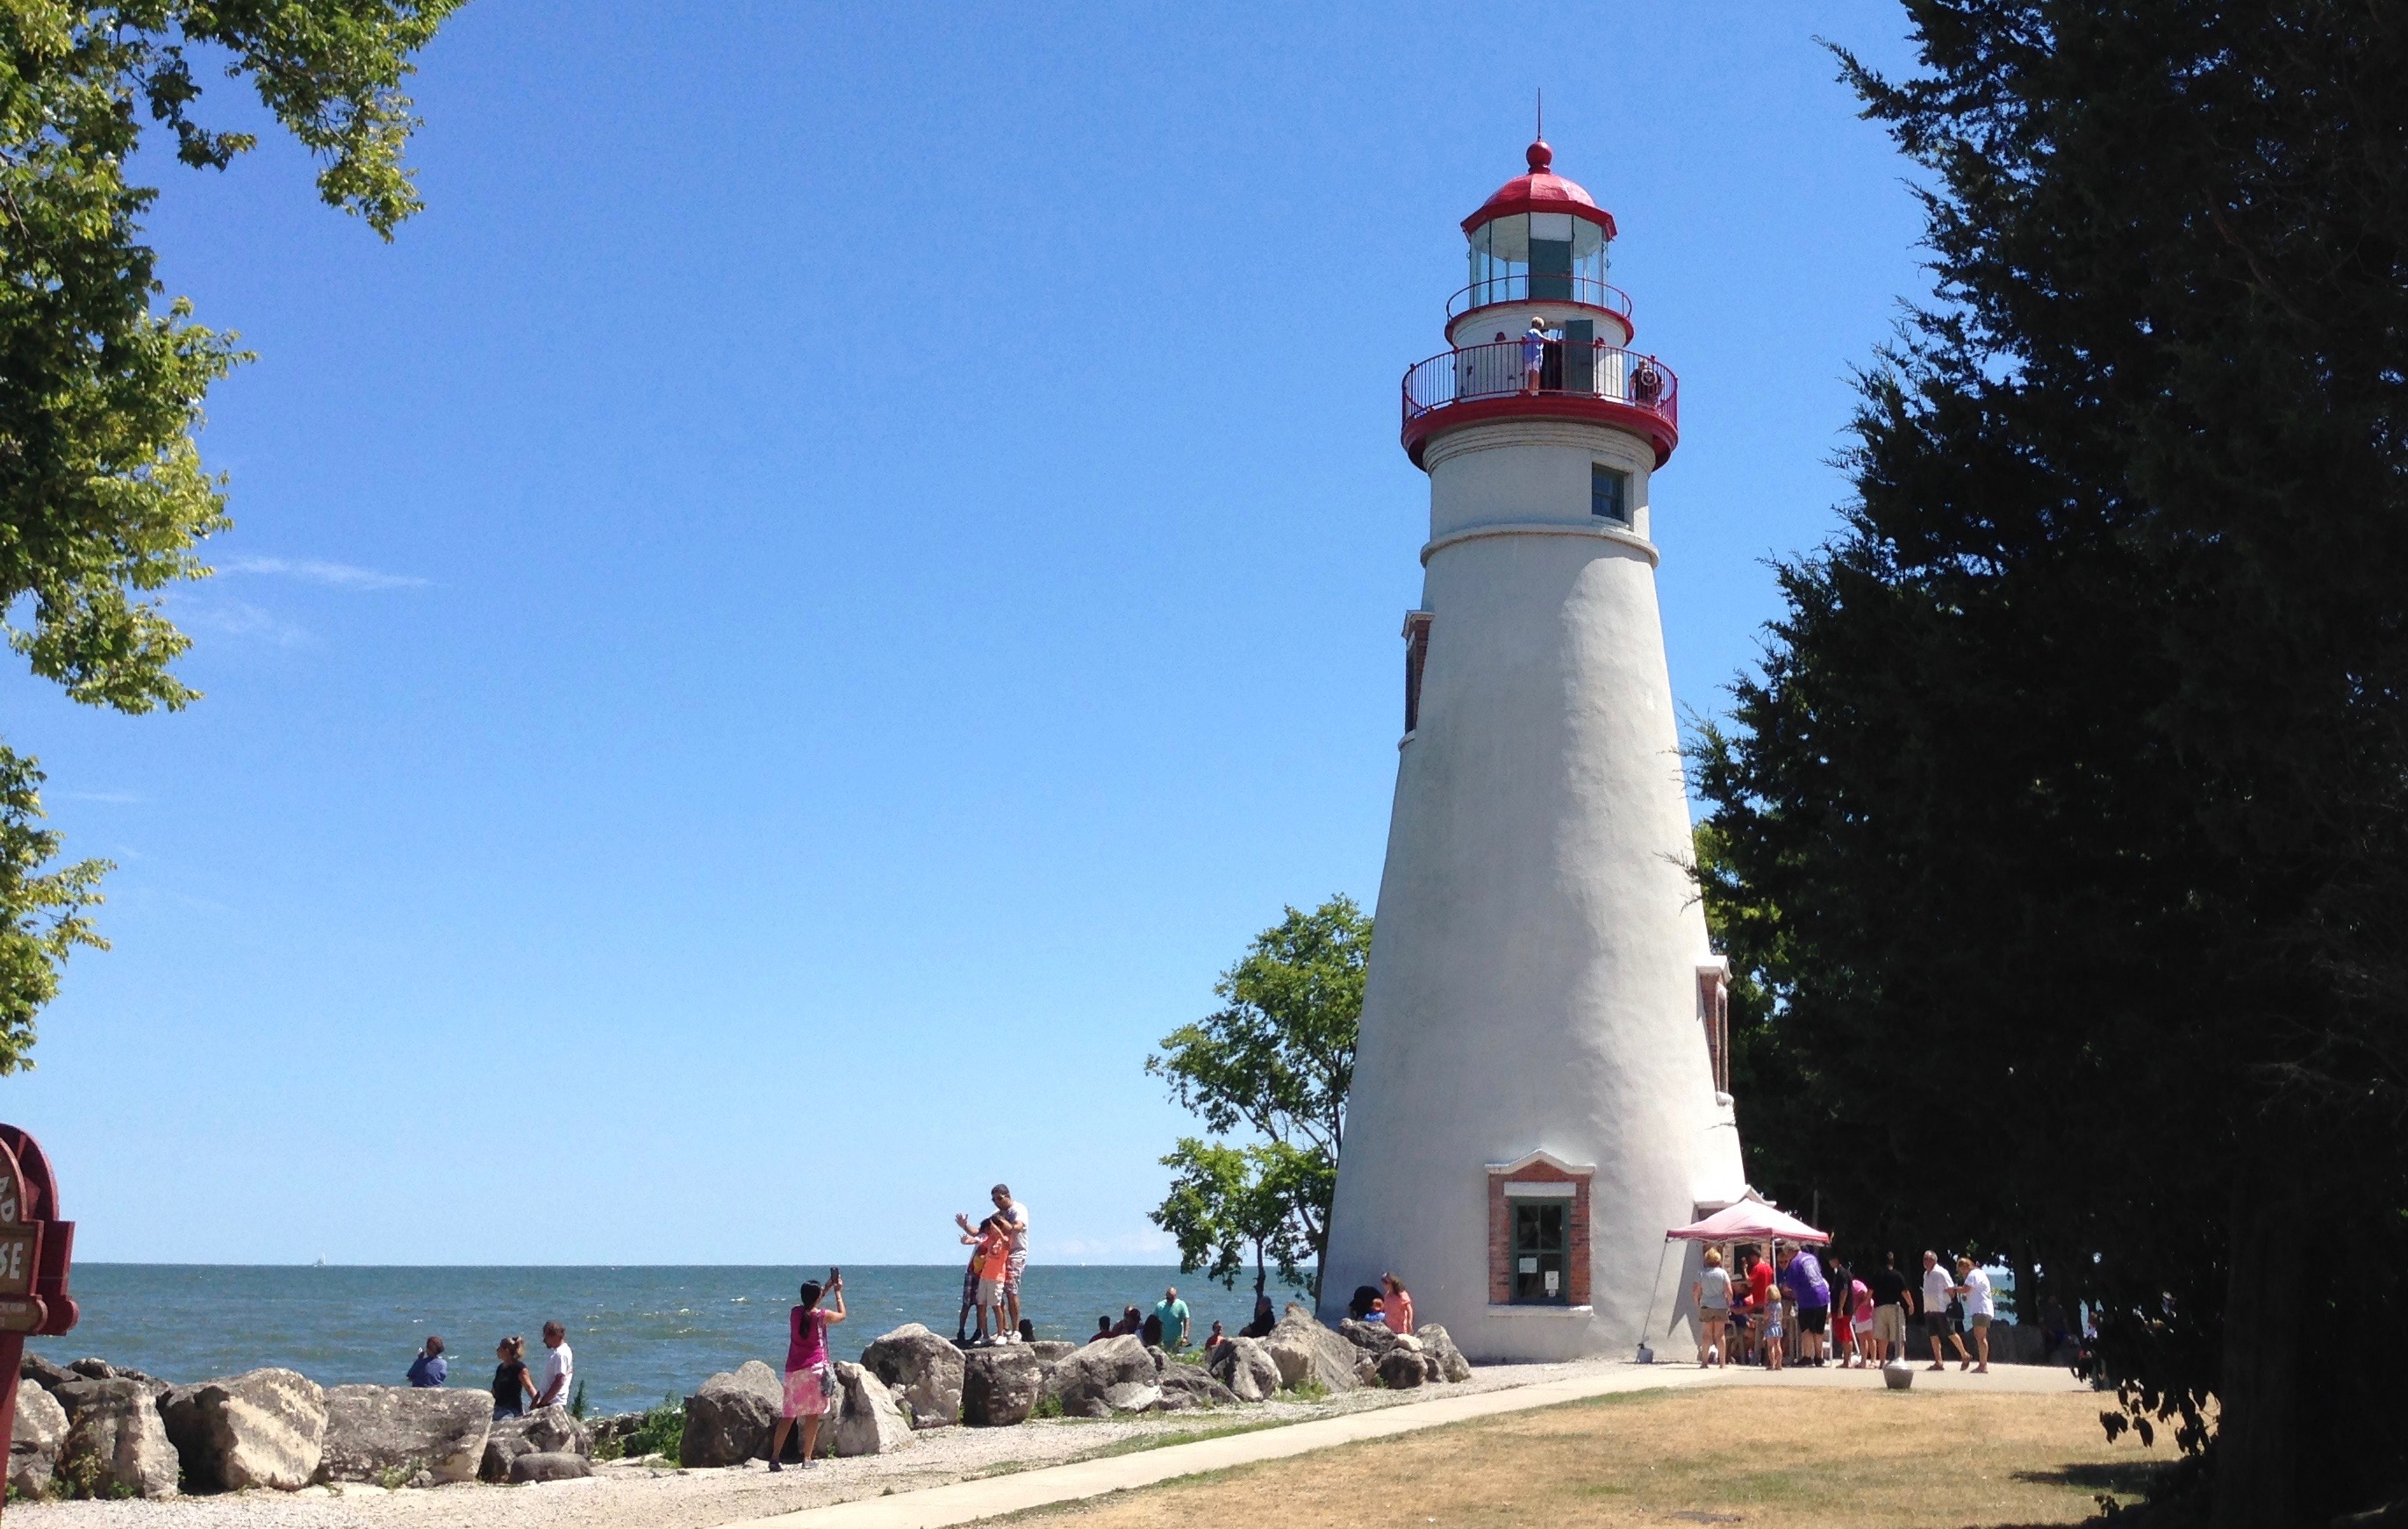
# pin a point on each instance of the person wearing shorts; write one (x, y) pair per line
(1712, 1294)
(811, 1381)
(1014, 1217)
(1973, 1288)
(1891, 1304)
(994, 1257)
(1936, 1288)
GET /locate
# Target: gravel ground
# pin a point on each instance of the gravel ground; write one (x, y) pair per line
(622, 1495)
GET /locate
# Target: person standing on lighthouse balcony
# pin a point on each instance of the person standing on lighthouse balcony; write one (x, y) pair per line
(1534, 354)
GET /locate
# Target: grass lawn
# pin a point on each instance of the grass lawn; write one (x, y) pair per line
(1833, 1459)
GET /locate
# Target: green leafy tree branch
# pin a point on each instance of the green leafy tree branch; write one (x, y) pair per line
(1275, 1062)
(103, 501)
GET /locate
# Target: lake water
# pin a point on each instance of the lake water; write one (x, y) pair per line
(640, 1333)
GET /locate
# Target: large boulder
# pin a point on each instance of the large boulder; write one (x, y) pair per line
(1079, 1378)
(999, 1386)
(115, 1444)
(43, 1373)
(1374, 1338)
(1051, 1351)
(1125, 1397)
(1404, 1367)
(551, 1431)
(1186, 1386)
(1435, 1342)
(1308, 1353)
(262, 1428)
(868, 1421)
(505, 1441)
(922, 1370)
(95, 1369)
(388, 1433)
(34, 1443)
(732, 1418)
(1245, 1366)
(551, 1465)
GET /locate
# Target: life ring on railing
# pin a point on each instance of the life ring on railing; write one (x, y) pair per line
(1646, 384)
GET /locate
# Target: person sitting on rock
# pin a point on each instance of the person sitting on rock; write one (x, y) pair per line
(1132, 1322)
(1397, 1306)
(1103, 1330)
(429, 1368)
(1216, 1338)
(1264, 1320)
(512, 1390)
(1150, 1333)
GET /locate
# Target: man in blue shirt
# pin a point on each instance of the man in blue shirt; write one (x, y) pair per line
(428, 1369)
(1173, 1312)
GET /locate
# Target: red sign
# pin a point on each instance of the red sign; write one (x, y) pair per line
(35, 1248)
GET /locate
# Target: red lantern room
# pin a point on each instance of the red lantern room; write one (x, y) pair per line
(1538, 331)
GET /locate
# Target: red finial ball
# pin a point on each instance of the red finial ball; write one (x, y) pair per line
(1541, 157)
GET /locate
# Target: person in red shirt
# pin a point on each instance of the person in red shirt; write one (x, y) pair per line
(1760, 1299)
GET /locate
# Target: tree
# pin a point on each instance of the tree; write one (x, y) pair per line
(103, 496)
(2070, 810)
(1275, 1061)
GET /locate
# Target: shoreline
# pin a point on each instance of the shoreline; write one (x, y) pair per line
(640, 1495)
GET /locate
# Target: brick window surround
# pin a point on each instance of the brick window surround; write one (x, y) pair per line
(1713, 1011)
(1535, 1169)
(1417, 628)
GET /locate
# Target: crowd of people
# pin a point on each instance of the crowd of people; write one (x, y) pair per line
(516, 1389)
(1786, 1308)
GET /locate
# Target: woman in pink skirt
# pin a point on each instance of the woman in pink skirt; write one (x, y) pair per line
(810, 1379)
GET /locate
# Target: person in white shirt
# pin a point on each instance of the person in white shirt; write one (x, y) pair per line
(1936, 1291)
(1974, 1291)
(559, 1367)
(1015, 1221)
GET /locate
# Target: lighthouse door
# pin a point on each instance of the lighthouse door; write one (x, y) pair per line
(1551, 257)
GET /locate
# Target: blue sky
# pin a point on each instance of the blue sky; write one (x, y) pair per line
(785, 630)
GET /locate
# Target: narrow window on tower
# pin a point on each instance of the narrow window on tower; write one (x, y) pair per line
(1609, 493)
(1417, 625)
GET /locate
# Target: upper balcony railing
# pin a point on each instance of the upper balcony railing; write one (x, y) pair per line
(1522, 287)
(1567, 370)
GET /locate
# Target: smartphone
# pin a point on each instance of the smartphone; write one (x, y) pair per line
(836, 1275)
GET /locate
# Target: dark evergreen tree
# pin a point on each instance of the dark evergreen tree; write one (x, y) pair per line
(2065, 832)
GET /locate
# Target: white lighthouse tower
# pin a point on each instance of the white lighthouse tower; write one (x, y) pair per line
(1541, 1090)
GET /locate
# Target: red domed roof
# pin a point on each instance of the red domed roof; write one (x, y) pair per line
(1541, 191)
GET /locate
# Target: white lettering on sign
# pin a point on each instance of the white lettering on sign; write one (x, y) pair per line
(12, 1262)
(8, 1216)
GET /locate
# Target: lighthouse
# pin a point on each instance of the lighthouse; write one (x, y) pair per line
(1541, 1089)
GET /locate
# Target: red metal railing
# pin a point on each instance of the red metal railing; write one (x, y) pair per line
(1521, 287)
(1596, 370)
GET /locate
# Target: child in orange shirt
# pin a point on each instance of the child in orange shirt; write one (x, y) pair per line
(994, 1257)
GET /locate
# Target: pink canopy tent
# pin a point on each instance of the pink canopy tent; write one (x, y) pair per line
(1750, 1220)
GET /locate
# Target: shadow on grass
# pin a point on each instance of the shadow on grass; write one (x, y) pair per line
(2133, 1476)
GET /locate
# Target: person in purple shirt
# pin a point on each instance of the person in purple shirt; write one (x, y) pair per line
(1802, 1277)
(429, 1368)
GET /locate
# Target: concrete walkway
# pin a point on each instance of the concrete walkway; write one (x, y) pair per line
(966, 1502)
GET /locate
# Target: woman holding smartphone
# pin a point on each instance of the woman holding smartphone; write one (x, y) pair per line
(810, 1379)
